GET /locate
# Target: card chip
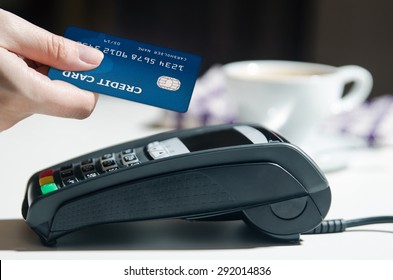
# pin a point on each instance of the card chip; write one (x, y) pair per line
(168, 83)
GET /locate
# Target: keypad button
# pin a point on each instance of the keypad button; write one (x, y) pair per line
(157, 148)
(128, 151)
(70, 181)
(47, 188)
(65, 167)
(108, 163)
(67, 173)
(153, 144)
(46, 180)
(130, 157)
(87, 168)
(45, 173)
(112, 169)
(91, 175)
(158, 154)
(87, 161)
(107, 156)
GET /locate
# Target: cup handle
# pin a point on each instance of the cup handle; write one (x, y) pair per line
(362, 85)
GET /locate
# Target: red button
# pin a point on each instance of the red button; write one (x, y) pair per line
(46, 173)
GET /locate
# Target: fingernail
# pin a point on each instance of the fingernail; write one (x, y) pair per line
(90, 55)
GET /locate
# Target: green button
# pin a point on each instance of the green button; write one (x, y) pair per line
(47, 188)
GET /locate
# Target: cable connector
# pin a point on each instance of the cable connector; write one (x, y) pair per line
(340, 225)
(329, 226)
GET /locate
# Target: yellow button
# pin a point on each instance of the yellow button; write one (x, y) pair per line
(46, 180)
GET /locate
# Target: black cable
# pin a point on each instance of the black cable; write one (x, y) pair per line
(340, 225)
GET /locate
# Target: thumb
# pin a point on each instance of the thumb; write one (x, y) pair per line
(37, 44)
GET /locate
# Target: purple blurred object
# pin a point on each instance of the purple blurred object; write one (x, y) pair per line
(372, 122)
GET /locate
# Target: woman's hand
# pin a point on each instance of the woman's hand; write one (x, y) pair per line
(26, 53)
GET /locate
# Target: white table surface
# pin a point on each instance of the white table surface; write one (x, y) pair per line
(363, 188)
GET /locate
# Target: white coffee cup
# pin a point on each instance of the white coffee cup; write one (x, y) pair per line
(293, 98)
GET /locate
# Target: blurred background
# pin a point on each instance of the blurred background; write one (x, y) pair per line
(336, 32)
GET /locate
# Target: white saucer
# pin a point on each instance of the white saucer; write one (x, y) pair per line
(331, 152)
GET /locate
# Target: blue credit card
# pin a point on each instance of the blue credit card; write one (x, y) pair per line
(135, 71)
